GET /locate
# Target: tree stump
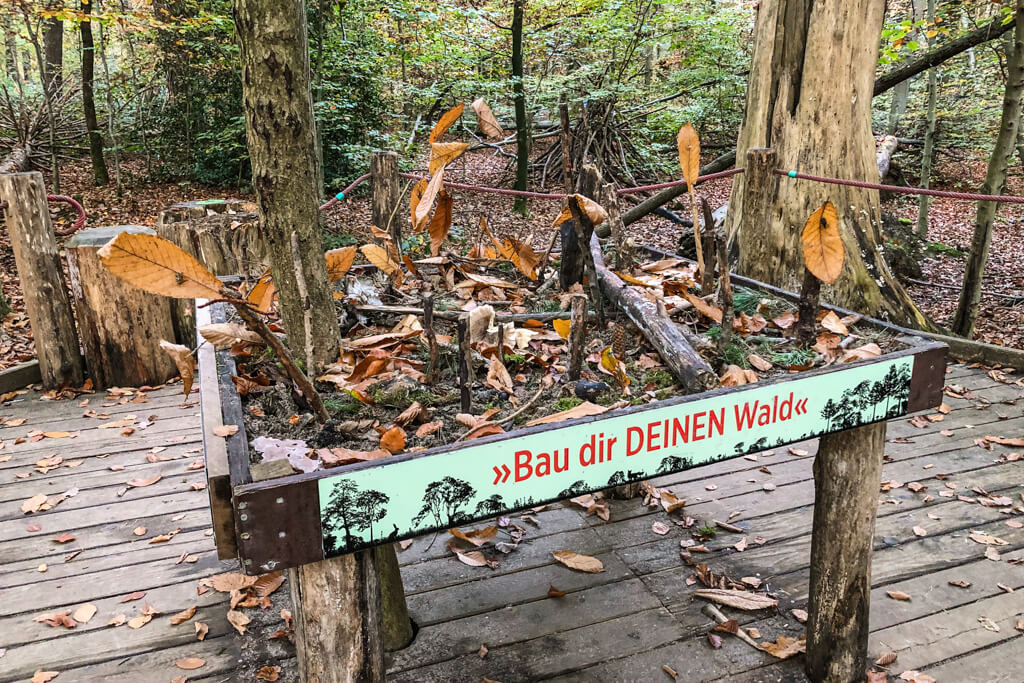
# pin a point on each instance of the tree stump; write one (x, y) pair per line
(121, 326)
(223, 234)
(42, 280)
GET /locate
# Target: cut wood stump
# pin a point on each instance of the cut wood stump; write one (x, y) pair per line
(42, 280)
(121, 326)
(223, 235)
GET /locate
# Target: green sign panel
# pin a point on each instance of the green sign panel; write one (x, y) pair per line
(414, 494)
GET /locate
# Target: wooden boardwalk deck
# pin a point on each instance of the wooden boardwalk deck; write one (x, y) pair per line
(623, 624)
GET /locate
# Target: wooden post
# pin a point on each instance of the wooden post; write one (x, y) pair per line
(384, 184)
(707, 278)
(724, 290)
(42, 280)
(465, 363)
(120, 325)
(565, 141)
(624, 257)
(847, 470)
(759, 183)
(577, 335)
(395, 625)
(434, 372)
(336, 606)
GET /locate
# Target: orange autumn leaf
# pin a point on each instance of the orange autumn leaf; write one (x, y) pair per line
(822, 246)
(688, 145)
(445, 122)
(393, 440)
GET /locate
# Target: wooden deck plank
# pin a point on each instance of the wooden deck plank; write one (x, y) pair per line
(1000, 664)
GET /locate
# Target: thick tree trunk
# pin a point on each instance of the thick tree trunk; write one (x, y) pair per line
(847, 470)
(518, 90)
(929, 141)
(53, 51)
(42, 280)
(92, 125)
(995, 183)
(817, 120)
(286, 175)
(17, 160)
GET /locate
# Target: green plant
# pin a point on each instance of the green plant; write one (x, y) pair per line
(514, 358)
(566, 403)
(707, 531)
(798, 357)
(934, 248)
(347, 406)
(660, 377)
(745, 300)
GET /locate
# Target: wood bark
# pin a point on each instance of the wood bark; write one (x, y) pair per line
(519, 97)
(100, 175)
(337, 617)
(577, 336)
(818, 120)
(385, 200)
(120, 325)
(17, 160)
(286, 174)
(573, 264)
(847, 470)
(924, 201)
(42, 280)
(53, 53)
(465, 363)
(883, 155)
(685, 364)
(995, 183)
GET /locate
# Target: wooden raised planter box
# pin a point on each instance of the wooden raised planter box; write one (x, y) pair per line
(299, 519)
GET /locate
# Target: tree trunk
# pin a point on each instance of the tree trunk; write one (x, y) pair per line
(995, 182)
(92, 125)
(280, 129)
(929, 141)
(817, 120)
(337, 613)
(385, 198)
(53, 51)
(522, 125)
(42, 280)
(120, 326)
(847, 470)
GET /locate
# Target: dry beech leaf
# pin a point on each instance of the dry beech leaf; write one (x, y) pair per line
(225, 430)
(477, 537)
(148, 481)
(201, 630)
(561, 327)
(485, 119)
(190, 663)
(473, 558)
(44, 676)
(183, 616)
(445, 122)
(758, 362)
(584, 409)
(785, 647)
(583, 563)
(393, 440)
(734, 376)
(84, 613)
(267, 584)
(158, 266)
(339, 261)
(238, 620)
(688, 145)
(379, 257)
(555, 593)
(739, 599)
(443, 153)
(886, 659)
(262, 293)
(269, 673)
(822, 246)
(440, 222)
(870, 350)
(229, 334)
(595, 212)
(34, 503)
(183, 360)
(898, 595)
(832, 323)
(419, 215)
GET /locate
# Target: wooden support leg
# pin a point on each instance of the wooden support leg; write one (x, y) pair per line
(395, 626)
(337, 620)
(847, 470)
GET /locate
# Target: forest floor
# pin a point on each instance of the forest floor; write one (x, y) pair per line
(1000, 321)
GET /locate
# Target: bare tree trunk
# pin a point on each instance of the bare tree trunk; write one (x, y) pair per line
(929, 141)
(285, 171)
(110, 111)
(53, 51)
(99, 165)
(995, 182)
(818, 120)
(522, 125)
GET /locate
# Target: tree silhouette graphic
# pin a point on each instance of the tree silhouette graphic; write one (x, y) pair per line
(617, 479)
(443, 500)
(490, 506)
(673, 463)
(578, 487)
(371, 509)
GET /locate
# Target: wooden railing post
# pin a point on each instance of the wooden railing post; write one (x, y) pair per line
(337, 620)
(42, 280)
(758, 197)
(385, 201)
(847, 470)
